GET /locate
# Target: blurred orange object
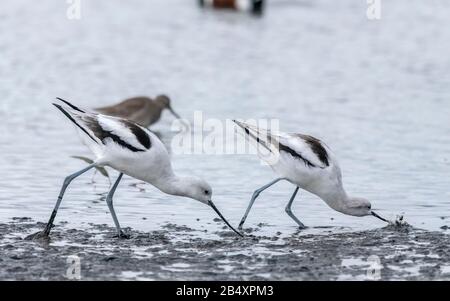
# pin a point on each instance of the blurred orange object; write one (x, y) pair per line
(254, 6)
(225, 4)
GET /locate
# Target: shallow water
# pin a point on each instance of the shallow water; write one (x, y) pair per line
(376, 91)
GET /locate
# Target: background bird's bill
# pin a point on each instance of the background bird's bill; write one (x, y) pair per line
(223, 218)
(185, 124)
(174, 113)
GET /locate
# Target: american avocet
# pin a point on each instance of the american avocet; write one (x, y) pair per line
(132, 150)
(142, 110)
(254, 6)
(309, 164)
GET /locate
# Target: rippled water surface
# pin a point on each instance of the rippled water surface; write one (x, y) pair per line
(378, 92)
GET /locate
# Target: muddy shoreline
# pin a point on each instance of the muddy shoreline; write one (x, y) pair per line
(180, 253)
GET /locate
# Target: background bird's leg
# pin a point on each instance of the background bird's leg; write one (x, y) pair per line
(255, 195)
(289, 211)
(93, 176)
(67, 181)
(109, 201)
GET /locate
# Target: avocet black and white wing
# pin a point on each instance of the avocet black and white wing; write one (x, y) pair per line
(303, 148)
(105, 130)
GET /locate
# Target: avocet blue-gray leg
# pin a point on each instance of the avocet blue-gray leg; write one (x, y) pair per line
(289, 211)
(109, 202)
(255, 195)
(66, 183)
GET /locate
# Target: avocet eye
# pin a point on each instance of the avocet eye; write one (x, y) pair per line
(206, 192)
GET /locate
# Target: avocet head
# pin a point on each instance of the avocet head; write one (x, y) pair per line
(198, 189)
(361, 207)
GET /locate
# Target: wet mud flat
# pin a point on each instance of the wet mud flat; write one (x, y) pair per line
(180, 253)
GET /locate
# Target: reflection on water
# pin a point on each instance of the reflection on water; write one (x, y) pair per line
(377, 92)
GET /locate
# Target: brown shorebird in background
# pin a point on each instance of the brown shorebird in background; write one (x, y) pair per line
(142, 110)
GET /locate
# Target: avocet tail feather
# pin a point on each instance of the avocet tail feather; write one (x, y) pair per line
(256, 134)
(70, 105)
(68, 115)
